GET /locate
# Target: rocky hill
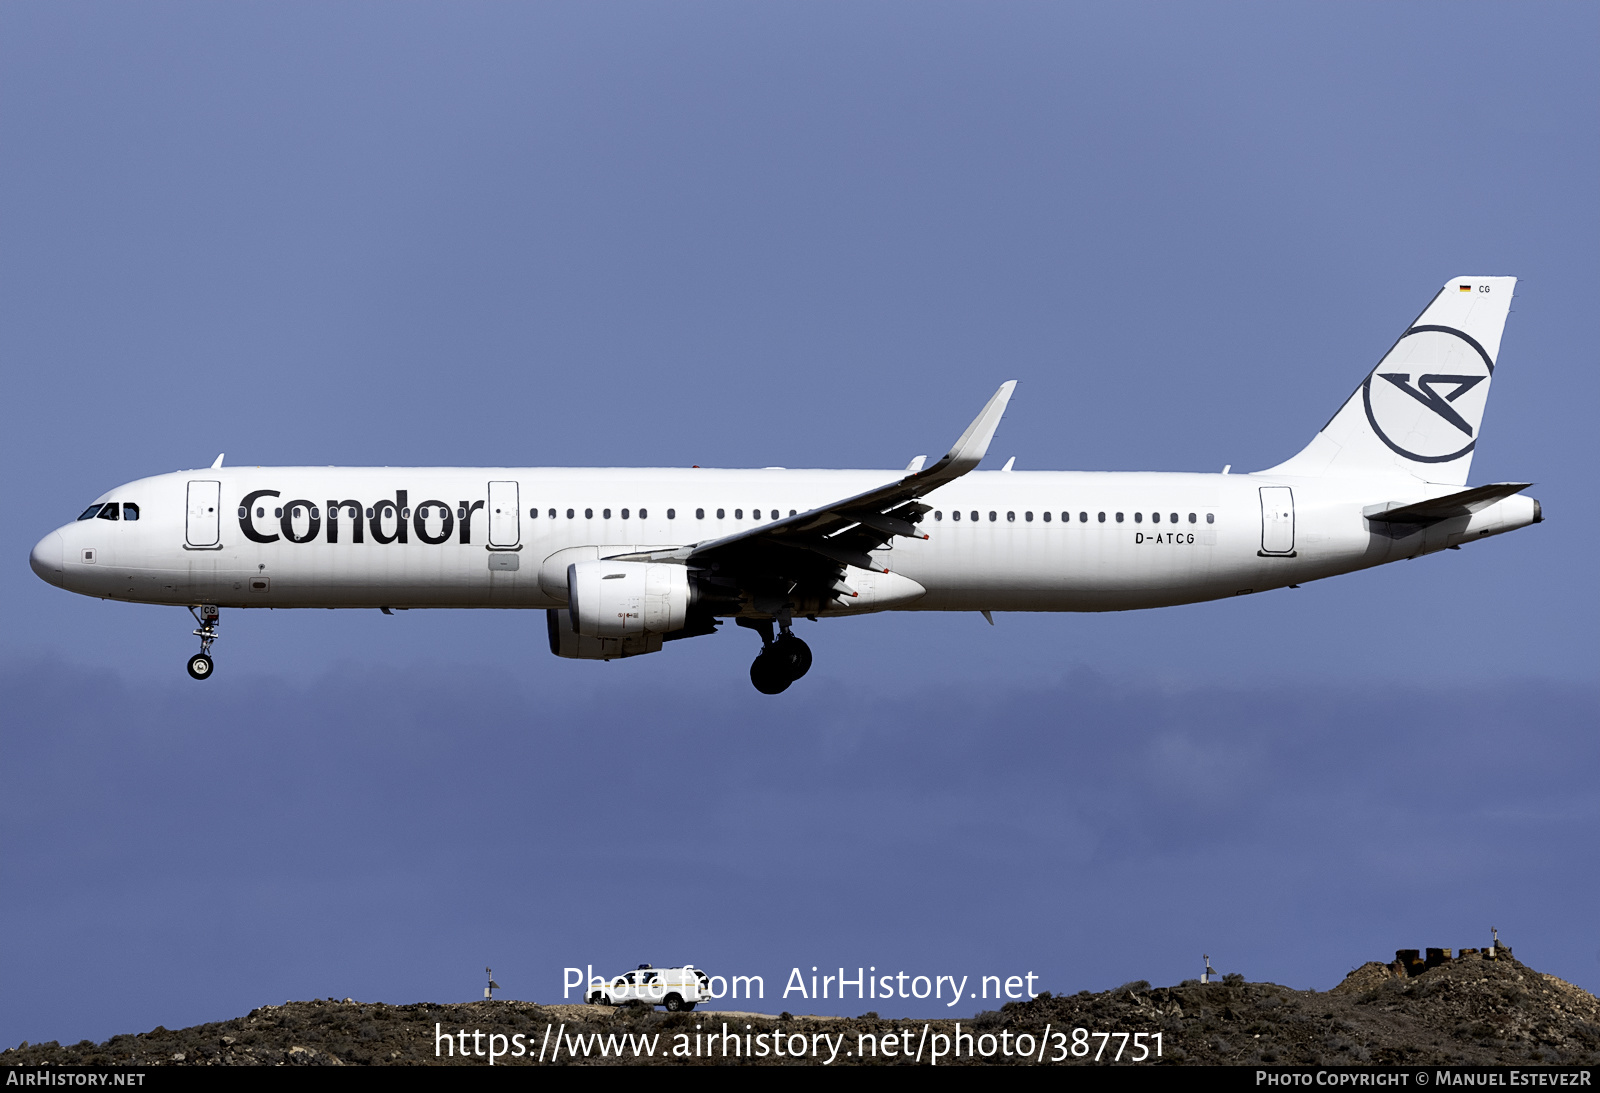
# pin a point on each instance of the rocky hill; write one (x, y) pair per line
(1471, 1010)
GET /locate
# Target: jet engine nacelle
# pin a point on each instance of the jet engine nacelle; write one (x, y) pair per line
(621, 599)
(565, 643)
(619, 609)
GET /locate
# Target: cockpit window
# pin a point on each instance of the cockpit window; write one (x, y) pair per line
(91, 512)
(130, 511)
(109, 512)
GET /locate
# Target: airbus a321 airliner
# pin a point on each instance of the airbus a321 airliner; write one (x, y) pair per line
(625, 560)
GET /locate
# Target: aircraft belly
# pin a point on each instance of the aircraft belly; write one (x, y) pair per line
(1060, 568)
(358, 575)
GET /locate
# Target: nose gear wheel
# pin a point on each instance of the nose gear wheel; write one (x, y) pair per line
(201, 665)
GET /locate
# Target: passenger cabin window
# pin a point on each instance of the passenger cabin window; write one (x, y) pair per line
(699, 514)
(1211, 518)
(938, 515)
(533, 514)
(1011, 517)
(1046, 517)
(1083, 517)
(588, 514)
(624, 514)
(738, 514)
(721, 513)
(1138, 517)
(1119, 517)
(571, 514)
(605, 514)
(1191, 518)
(1174, 517)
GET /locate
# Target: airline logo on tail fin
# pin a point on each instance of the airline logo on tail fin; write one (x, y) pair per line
(1420, 412)
(1434, 395)
(1425, 393)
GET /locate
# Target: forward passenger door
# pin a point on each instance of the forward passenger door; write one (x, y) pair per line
(202, 528)
(505, 529)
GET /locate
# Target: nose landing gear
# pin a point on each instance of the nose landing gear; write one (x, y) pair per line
(782, 660)
(200, 665)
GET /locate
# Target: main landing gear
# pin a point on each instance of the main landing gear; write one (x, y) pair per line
(782, 660)
(200, 664)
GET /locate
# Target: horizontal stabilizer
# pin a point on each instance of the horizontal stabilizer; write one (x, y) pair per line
(1447, 507)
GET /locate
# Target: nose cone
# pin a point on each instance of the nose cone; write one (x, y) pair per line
(46, 559)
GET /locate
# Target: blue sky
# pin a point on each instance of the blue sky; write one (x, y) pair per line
(802, 235)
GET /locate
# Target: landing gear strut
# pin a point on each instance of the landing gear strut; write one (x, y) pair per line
(200, 664)
(782, 660)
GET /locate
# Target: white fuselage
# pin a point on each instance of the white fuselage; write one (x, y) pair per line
(1025, 541)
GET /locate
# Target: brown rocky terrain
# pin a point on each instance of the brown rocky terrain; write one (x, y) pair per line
(1468, 1011)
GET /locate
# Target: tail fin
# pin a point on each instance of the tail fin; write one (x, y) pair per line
(1418, 412)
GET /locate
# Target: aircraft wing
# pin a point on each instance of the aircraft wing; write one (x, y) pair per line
(813, 545)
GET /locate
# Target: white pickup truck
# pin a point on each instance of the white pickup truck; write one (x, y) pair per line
(678, 989)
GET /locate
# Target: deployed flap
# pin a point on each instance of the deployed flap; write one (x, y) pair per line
(1448, 507)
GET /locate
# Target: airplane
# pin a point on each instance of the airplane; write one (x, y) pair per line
(625, 560)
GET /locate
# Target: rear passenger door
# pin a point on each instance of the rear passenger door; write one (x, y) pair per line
(1277, 520)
